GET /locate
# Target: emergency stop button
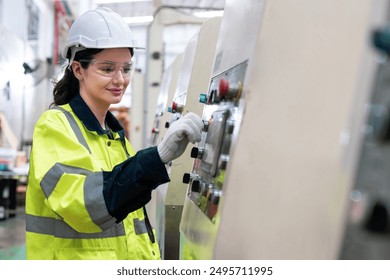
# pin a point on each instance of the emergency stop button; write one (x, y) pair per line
(176, 108)
(227, 91)
(223, 88)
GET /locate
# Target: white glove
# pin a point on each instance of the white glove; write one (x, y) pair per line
(180, 133)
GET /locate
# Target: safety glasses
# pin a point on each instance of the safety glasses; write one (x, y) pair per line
(110, 68)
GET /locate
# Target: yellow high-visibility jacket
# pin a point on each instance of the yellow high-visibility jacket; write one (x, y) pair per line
(87, 189)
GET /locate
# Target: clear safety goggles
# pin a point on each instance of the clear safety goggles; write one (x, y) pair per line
(110, 68)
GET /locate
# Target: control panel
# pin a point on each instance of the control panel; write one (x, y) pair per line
(211, 156)
(176, 108)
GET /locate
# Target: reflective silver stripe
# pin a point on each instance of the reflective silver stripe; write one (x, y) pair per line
(60, 229)
(93, 192)
(52, 177)
(76, 129)
(93, 185)
(95, 203)
(139, 226)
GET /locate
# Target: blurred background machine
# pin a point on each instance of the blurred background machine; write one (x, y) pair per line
(167, 91)
(272, 173)
(367, 234)
(193, 77)
(165, 17)
(162, 116)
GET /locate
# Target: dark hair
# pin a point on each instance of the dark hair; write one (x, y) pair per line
(69, 86)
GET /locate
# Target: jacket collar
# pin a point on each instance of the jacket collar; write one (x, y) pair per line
(82, 111)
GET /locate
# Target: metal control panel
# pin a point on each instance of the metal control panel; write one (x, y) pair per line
(269, 179)
(212, 154)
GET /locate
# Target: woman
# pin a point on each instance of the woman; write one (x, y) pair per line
(87, 188)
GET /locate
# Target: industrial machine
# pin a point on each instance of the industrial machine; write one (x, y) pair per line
(165, 18)
(367, 232)
(162, 116)
(193, 77)
(271, 176)
(167, 91)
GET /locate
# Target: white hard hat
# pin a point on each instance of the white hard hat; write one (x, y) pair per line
(101, 28)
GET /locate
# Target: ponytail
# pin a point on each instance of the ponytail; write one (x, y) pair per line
(65, 89)
(69, 86)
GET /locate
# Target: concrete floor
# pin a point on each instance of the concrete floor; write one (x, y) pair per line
(12, 237)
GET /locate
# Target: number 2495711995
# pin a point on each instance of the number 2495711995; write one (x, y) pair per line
(241, 270)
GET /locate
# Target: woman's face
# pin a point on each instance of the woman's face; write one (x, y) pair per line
(105, 80)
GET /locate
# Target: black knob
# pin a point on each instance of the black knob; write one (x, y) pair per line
(381, 39)
(230, 127)
(214, 98)
(378, 219)
(205, 189)
(223, 161)
(379, 122)
(167, 125)
(195, 152)
(214, 197)
(195, 186)
(186, 178)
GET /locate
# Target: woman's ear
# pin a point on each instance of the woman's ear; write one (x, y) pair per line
(77, 70)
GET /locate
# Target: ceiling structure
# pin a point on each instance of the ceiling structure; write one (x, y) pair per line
(142, 11)
(137, 8)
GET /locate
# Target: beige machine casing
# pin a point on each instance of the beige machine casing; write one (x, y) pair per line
(291, 160)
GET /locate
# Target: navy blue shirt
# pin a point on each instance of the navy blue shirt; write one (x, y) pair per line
(129, 185)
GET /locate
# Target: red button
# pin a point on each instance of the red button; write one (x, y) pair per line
(223, 88)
